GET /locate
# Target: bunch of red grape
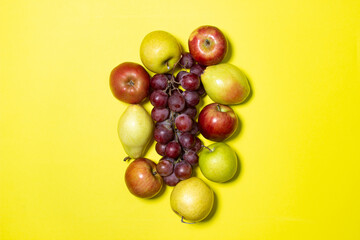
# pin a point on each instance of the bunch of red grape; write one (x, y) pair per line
(175, 113)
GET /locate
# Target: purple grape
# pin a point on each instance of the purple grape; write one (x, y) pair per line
(160, 149)
(183, 122)
(197, 146)
(191, 157)
(201, 90)
(163, 134)
(171, 180)
(158, 99)
(180, 75)
(187, 61)
(173, 149)
(176, 102)
(183, 170)
(192, 98)
(195, 129)
(165, 167)
(197, 69)
(159, 82)
(190, 111)
(190, 82)
(187, 140)
(159, 114)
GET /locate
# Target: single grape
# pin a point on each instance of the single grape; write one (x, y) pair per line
(195, 129)
(191, 157)
(158, 99)
(201, 90)
(159, 114)
(159, 82)
(176, 102)
(187, 140)
(180, 75)
(171, 180)
(173, 149)
(183, 170)
(183, 122)
(187, 61)
(192, 98)
(190, 82)
(190, 111)
(197, 146)
(165, 167)
(197, 69)
(160, 148)
(163, 134)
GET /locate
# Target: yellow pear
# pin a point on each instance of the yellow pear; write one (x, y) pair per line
(192, 199)
(135, 129)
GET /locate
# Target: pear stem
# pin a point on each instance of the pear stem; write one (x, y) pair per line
(182, 220)
(207, 148)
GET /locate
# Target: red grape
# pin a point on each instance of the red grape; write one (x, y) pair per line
(190, 81)
(163, 134)
(159, 82)
(159, 114)
(197, 69)
(192, 98)
(158, 98)
(191, 157)
(190, 111)
(183, 170)
(173, 149)
(160, 148)
(183, 122)
(176, 102)
(165, 167)
(187, 60)
(171, 180)
(187, 140)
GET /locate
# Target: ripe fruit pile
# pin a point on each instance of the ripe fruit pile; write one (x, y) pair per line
(180, 79)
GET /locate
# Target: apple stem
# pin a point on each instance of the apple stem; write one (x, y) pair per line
(218, 107)
(126, 158)
(182, 220)
(207, 148)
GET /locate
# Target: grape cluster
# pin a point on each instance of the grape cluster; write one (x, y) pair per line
(175, 113)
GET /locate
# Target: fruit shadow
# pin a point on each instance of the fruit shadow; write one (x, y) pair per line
(237, 131)
(238, 171)
(229, 52)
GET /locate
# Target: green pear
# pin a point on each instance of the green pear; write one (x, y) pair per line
(218, 162)
(135, 129)
(192, 199)
(225, 84)
(160, 51)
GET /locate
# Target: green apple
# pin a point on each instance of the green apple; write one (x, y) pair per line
(160, 51)
(192, 199)
(225, 84)
(218, 162)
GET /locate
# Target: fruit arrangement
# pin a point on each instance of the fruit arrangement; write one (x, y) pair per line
(179, 80)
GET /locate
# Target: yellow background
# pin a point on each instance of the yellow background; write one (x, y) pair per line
(61, 169)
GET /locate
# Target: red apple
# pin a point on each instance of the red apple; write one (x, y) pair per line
(217, 122)
(207, 45)
(130, 82)
(142, 179)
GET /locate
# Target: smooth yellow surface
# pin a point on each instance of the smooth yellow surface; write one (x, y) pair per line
(61, 169)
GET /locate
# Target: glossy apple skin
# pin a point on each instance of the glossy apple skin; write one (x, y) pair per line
(225, 84)
(208, 45)
(141, 178)
(217, 122)
(218, 162)
(130, 82)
